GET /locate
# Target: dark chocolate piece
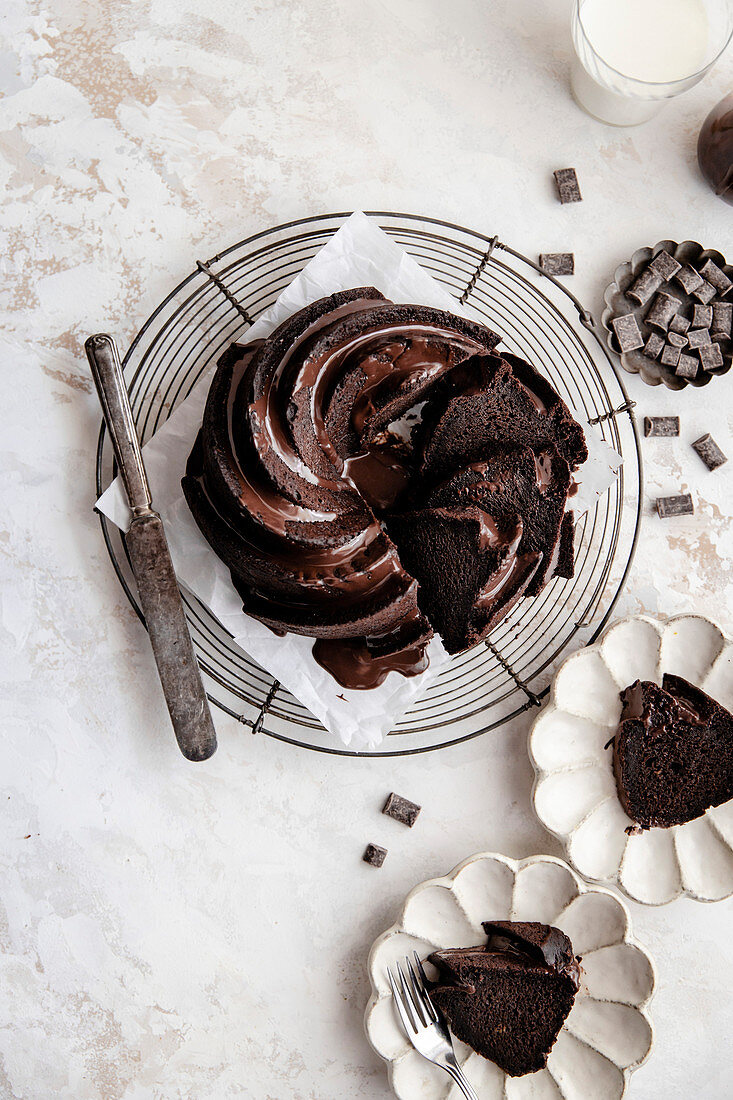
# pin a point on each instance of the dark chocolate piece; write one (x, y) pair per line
(627, 332)
(680, 323)
(670, 355)
(401, 809)
(374, 855)
(661, 425)
(645, 286)
(654, 345)
(664, 265)
(689, 279)
(662, 310)
(698, 337)
(711, 357)
(687, 367)
(721, 323)
(675, 506)
(716, 278)
(702, 316)
(558, 263)
(568, 189)
(676, 339)
(705, 293)
(709, 451)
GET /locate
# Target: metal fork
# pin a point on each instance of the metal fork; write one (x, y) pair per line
(424, 1025)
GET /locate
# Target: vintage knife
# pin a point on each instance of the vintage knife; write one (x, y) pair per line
(151, 561)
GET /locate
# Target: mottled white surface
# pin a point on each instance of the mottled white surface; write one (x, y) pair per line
(171, 931)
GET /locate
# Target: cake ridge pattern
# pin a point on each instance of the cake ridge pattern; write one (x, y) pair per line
(313, 449)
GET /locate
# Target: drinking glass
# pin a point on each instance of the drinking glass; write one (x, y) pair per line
(702, 29)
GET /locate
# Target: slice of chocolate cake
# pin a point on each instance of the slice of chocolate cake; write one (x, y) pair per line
(488, 400)
(518, 481)
(508, 999)
(480, 555)
(673, 752)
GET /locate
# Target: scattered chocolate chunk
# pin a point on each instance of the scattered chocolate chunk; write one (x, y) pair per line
(662, 310)
(374, 855)
(702, 316)
(722, 319)
(709, 451)
(698, 337)
(661, 425)
(687, 367)
(705, 293)
(654, 345)
(675, 506)
(645, 286)
(689, 279)
(627, 332)
(670, 355)
(401, 809)
(665, 266)
(711, 357)
(676, 339)
(716, 278)
(680, 323)
(558, 263)
(568, 189)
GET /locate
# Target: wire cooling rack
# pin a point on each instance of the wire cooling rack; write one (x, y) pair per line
(539, 319)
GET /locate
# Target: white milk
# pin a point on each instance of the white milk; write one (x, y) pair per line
(655, 41)
(652, 40)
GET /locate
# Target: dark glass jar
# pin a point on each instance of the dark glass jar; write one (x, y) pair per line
(715, 149)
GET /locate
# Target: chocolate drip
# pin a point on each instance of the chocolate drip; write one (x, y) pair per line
(354, 665)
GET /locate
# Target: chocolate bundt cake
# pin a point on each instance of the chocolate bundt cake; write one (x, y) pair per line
(673, 752)
(313, 454)
(508, 999)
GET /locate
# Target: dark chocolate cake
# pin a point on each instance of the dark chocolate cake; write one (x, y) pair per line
(673, 752)
(313, 452)
(508, 999)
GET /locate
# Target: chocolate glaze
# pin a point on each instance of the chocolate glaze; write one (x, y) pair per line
(681, 709)
(354, 665)
(542, 944)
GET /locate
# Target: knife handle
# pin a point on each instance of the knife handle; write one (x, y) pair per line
(105, 363)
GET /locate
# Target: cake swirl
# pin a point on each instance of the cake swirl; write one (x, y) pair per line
(304, 455)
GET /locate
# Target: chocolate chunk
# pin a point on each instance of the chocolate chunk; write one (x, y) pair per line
(567, 185)
(698, 337)
(401, 809)
(680, 323)
(702, 316)
(661, 425)
(558, 263)
(665, 266)
(716, 278)
(709, 451)
(662, 310)
(670, 355)
(654, 345)
(676, 339)
(722, 319)
(689, 279)
(705, 293)
(645, 286)
(711, 357)
(675, 506)
(374, 855)
(627, 332)
(687, 367)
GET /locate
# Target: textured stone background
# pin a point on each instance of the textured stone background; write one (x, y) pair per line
(177, 932)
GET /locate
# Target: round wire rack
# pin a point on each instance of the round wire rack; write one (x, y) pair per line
(539, 319)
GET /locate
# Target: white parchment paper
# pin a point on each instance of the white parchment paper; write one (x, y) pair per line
(359, 254)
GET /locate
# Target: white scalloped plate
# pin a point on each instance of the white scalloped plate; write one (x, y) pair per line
(608, 1033)
(574, 793)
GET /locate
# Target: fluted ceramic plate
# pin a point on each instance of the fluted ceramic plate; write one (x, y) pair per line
(608, 1033)
(575, 792)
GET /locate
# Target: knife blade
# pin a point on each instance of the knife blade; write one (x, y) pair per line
(147, 546)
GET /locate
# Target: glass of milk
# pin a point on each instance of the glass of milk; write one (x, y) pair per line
(631, 55)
